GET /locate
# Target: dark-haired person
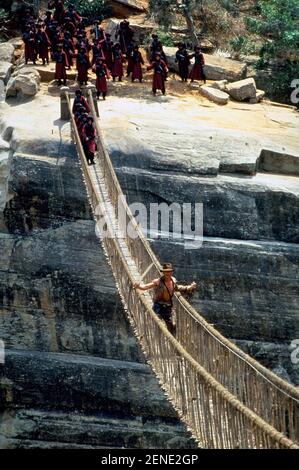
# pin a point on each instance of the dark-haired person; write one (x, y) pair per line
(164, 290)
(30, 46)
(125, 34)
(83, 65)
(89, 140)
(69, 48)
(160, 69)
(43, 44)
(80, 100)
(197, 72)
(73, 14)
(61, 64)
(117, 65)
(137, 62)
(102, 73)
(182, 58)
(59, 12)
(107, 47)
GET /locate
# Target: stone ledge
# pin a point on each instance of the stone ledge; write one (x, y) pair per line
(271, 161)
(46, 428)
(85, 383)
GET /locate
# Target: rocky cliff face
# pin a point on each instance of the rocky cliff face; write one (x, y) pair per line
(74, 374)
(247, 268)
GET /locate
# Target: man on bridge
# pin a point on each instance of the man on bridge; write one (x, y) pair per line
(164, 289)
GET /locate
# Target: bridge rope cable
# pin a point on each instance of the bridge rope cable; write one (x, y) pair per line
(241, 355)
(214, 415)
(286, 396)
(279, 404)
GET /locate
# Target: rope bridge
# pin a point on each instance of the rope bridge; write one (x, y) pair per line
(226, 398)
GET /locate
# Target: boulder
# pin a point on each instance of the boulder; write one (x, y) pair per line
(217, 96)
(216, 68)
(142, 31)
(219, 85)
(221, 68)
(30, 71)
(242, 90)
(17, 43)
(260, 94)
(27, 85)
(5, 71)
(124, 8)
(206, 45)
(6, 52)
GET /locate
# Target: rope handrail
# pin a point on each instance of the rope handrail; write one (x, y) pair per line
(256, 432)
(256, 386)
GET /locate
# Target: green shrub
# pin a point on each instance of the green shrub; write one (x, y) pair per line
(165, 38)
(3, 14)
(92, 9)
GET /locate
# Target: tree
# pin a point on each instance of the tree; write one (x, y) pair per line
(202, 16)
(92, 9)
(278, 27)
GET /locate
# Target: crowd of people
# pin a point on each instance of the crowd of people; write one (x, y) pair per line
(62, 36)
(85, 126)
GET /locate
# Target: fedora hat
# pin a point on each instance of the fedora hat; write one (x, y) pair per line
(166, 267)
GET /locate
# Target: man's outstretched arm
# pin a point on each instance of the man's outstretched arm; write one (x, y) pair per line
(148, 286)
(186, 289)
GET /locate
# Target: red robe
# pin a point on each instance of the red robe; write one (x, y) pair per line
(83, 64)
(42, 44)
(102, 74)
(197, 72)
(160, 69)
(117, 66)
(29, 40)
(59, 13)
(69, 49)
(89, 136)
(107, 49)
(97, 53)
(61, 64)
(137, 60)
(83, 101)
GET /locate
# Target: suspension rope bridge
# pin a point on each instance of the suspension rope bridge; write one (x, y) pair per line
(225, 397)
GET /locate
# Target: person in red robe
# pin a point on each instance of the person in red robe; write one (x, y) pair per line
(83, 65)
(97, 51)
(129, 54)
(43, 43)
(163, 57)
(107, 49)
(69, 48)
(98, 32)
(160, 69)
(82, 120)
(73, 14)
(61, 64)
(80, 100)
(48, 20)
(89, 140)
(125, 34)
(102, 73)
(117, 67)
(69, 26)
(29, 41)
(59, 12)
(197, 72)
(137, 62)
